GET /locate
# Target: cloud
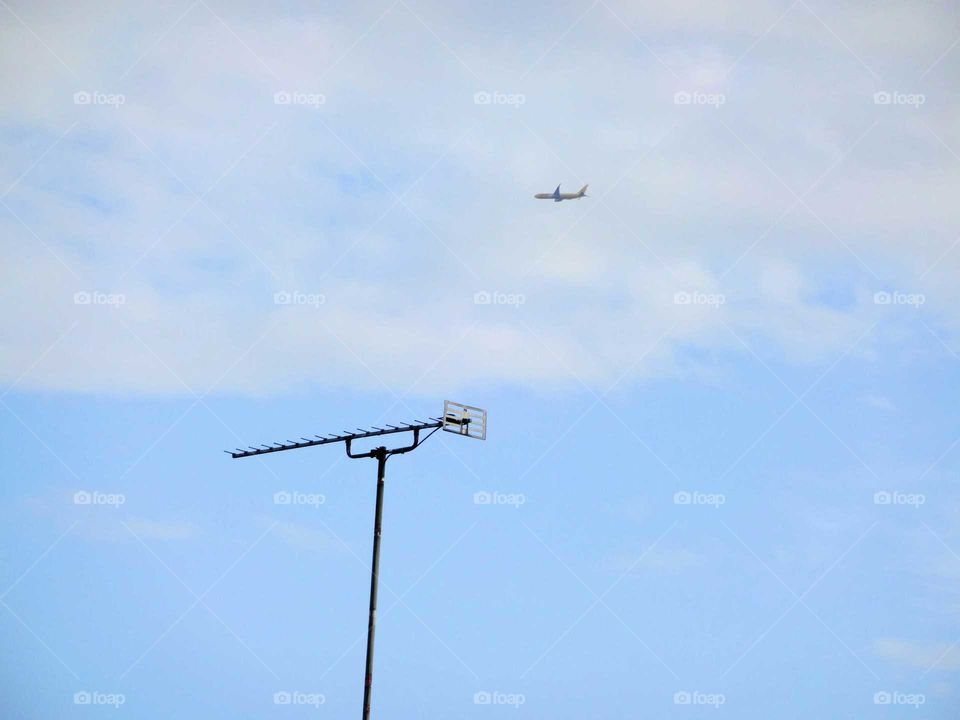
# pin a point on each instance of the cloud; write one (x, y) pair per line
(103, 515)
(106, 525)
(199, 199)
(303, 537)
(880, 402)
(940, 656)
(671, 560)
(154, 530)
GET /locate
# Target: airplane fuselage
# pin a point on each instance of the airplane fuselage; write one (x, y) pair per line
(557, 196)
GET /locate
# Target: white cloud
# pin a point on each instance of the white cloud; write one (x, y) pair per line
(300, 210)
(662, 558)
(940, 656)
(153, 530)
(303, 537)
(880, 402)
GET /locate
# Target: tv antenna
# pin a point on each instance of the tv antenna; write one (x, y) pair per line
(457, 418)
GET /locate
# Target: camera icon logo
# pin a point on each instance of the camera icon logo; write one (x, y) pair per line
(682, 98)
(481, 298)
(481, 698)
(482, 98)
(282, 98)
(282, 498)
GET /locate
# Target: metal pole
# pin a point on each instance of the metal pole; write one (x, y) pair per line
(381, 455)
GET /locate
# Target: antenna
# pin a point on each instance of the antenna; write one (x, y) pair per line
(464, 420)
(343, 437)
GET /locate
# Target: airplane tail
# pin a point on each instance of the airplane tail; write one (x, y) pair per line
(583, 191)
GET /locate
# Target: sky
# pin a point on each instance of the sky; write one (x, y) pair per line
(719, 475)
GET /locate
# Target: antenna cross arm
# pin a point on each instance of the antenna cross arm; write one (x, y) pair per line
(385, 452)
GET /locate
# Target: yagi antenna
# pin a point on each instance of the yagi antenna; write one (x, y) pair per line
(464, 420)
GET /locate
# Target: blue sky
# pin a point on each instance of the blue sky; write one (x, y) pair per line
(723, 427)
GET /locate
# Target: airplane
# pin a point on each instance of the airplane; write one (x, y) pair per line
(557, 196)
